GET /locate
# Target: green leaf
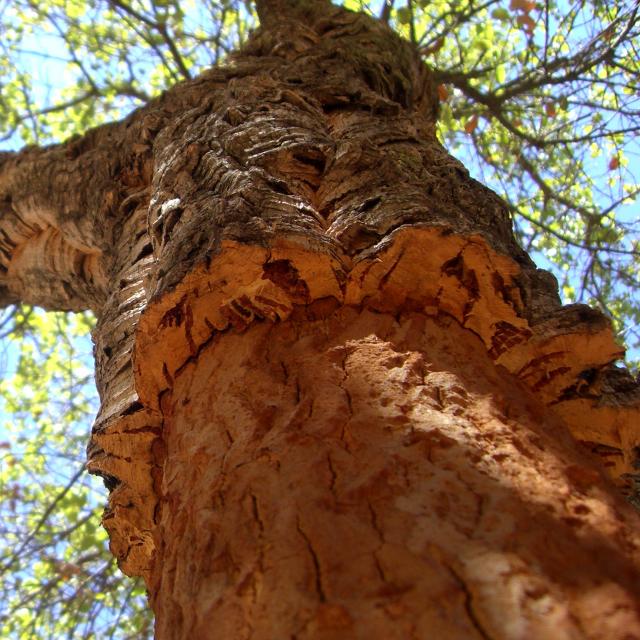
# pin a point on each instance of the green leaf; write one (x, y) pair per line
(403, 15)
(501, 14)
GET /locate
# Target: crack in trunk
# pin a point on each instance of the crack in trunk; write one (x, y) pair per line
(468, 604)
(315, 560)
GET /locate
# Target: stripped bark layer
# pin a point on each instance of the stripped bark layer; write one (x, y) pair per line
(356, 474)
(289, 196)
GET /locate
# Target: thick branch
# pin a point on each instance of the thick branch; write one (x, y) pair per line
(57, 207)
(62, 210)
(51, 234)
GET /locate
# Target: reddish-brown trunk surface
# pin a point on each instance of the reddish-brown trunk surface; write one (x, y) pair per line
(368, 476)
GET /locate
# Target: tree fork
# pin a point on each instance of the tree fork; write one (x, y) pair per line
(335, 392)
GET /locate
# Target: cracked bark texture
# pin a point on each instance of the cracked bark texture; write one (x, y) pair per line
(337, 399)
(368, 475)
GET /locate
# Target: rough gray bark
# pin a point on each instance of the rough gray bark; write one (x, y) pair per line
(305, 175)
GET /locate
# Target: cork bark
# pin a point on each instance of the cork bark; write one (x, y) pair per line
(337, 399)
(373, 475)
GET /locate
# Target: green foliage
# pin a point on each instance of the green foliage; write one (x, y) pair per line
(57, 578)
(541, 100)
(102, 58)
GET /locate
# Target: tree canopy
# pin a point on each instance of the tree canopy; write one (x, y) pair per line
(540, 100)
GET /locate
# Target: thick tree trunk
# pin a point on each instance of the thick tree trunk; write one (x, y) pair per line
(337, 398)
(368, 475)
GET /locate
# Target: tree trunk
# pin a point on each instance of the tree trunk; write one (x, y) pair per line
(355, 474)
(338, 400)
